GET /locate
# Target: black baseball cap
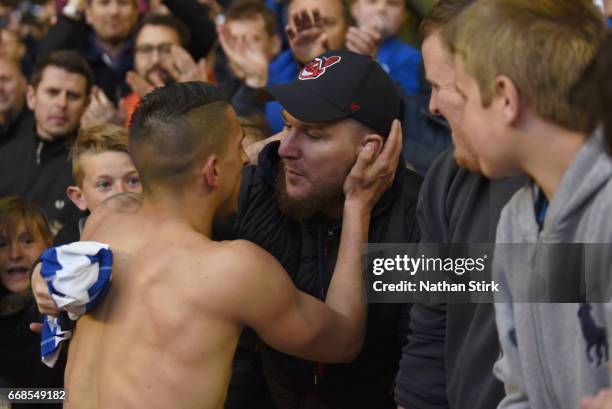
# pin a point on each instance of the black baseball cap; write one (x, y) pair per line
(336, 85)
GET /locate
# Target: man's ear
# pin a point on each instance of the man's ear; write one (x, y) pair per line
(76, 196)
(31, 97)
(509, 98)
(211, 171)
(376, 139)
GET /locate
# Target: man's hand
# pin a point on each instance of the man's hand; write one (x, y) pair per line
(141, 85)
(45, 303)
(306, 35)
(603, 400)
(370, 178)
(363, 40)
(182, 67)
(247, 61)
(101, 110)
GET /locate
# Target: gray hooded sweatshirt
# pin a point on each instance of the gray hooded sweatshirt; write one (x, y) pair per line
(555, 354)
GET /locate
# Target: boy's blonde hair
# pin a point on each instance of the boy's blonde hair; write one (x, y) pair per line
(97, 139)
(541, 45)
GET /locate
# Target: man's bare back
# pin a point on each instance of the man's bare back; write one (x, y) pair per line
(162, 328)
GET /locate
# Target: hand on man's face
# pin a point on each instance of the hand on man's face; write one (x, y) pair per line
(373, 172)
(307, 37)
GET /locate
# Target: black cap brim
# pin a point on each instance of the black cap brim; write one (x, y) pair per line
(302, 102)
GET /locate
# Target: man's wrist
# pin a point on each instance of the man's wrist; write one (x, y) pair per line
(355, 207)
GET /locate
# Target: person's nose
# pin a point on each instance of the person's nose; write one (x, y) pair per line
(289, 146)
(61, 100)
(15, 251)
(121, 187)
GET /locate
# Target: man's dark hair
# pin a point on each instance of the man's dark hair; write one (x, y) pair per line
(173, 127)
(70, 61)
(167, 21)
(442, 13)
(249, 9)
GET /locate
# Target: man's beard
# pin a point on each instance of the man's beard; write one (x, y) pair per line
(325, 196)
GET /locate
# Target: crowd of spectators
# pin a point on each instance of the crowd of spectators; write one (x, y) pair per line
(72, 74)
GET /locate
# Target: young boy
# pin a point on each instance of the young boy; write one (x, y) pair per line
(101, 167)
(378, 24)
(516, 62)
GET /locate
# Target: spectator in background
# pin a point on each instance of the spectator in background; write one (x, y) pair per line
(35, 164)
(12, 100)
(103, 31)
(250, 41)
(378, 24)
(101, 168)
(11, 46)
(159, 58)
(24, 235)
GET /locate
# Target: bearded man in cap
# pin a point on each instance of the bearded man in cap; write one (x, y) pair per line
(291, 205)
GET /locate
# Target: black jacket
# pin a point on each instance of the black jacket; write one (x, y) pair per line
(448, 362)
(20, 354)
(308, 252)
(20, 125)
(39, 170)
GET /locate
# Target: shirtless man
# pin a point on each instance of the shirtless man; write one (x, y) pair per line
(165, 334)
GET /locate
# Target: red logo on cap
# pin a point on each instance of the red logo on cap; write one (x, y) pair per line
(317, 67)
(355, 106)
